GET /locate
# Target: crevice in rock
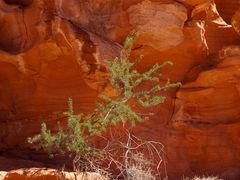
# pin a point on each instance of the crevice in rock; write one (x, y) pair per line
(192, 89)
(194, 123)
(88, 49)
(26, 30)
(23, 3)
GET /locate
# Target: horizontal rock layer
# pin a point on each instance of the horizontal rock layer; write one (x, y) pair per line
(50, 174)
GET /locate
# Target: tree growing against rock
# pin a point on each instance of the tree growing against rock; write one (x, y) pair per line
(75, 139)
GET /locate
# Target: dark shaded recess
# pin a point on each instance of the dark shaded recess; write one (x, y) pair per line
(227, 8)
(19, 2)
(88, 49)
(10, 47)
(7, 42)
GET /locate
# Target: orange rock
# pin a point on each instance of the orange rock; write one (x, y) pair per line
(159, 24)
(53, 50)
(20, 28)
(227, 9)
(214, 96)
(194, 2)
(217, 32)
(50, 174)
(235, 21)
(207, 116)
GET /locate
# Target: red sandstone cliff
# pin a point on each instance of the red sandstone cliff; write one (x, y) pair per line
(54, 49)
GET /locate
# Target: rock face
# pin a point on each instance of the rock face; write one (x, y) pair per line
(50, 174)
(207, 117)
(51, 50)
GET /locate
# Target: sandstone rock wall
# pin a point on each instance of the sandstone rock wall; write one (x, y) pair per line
(54, 49)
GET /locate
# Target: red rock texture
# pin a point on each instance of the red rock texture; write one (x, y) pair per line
(207, 116)
(50, 174)
(53, 49)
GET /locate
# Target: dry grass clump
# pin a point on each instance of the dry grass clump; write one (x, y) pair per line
(203, 178)
(140, 168)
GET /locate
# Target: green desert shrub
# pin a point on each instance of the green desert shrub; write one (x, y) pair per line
(110, 111)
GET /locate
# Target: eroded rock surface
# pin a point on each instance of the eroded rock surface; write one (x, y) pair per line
(50, 174)
(51, 50)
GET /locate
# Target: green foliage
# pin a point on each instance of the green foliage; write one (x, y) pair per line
(71, 140)
(124, 79)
